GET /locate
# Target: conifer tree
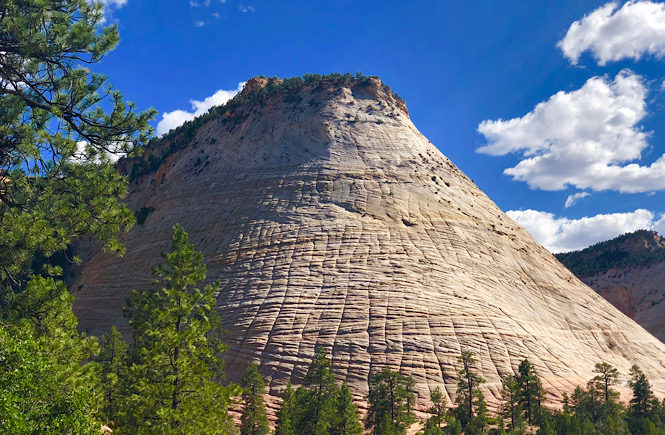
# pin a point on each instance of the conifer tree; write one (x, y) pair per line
(113, 361)
(643, 399)
(470, 401)
(390, 398)
(531, 390)
(438, 408)
(254, 420)
(346, 420)
(315, 399)
(510, 408)
(175, 363)
(286, 413)
(606, 377)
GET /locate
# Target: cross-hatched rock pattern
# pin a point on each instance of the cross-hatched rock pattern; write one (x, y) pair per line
(331, 221)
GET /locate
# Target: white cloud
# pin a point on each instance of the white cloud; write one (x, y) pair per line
(588, 138)
(574, 199)
(611, 34)
(199, 23)
(114, 3)
(243, 8)
(560, 234)
(171, 120)
(198, 4)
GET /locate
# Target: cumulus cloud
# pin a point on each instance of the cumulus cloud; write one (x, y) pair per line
(588, 138)
(199, 23)
(560, 234)
(171, 120)
(245, 8)
(573, 199)
(611, 33)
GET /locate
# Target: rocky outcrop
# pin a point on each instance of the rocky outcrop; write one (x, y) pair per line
(628, 271)
(331, 221)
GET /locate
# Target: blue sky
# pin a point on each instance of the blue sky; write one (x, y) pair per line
(555, 109)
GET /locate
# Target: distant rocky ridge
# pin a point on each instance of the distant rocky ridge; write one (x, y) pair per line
(331, 221)
(628, 271)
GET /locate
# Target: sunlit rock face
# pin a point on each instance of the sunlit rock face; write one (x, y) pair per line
(329, 220)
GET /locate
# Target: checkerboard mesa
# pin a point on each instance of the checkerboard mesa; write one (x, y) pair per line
(331, 221)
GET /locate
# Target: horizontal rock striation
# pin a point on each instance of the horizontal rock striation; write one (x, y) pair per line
(331, 221)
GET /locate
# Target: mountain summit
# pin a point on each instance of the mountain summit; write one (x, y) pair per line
(331, 221)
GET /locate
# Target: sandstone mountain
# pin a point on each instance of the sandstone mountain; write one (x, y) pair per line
(628, 271)
(331, 221)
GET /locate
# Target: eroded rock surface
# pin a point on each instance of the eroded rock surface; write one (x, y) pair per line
(630, 275)
(331, 221)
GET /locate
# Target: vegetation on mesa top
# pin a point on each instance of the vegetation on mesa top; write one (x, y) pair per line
(183, 135)
(638, 248)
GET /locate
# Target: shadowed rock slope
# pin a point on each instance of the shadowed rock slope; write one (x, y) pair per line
(331, 221)
(628, 271)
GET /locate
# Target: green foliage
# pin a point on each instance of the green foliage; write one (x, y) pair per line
(603, 256)
(471, 408)
(254, 420)
(286, 413)
(46, 386)
(510, 408)
(643, 400)
(316, 399)
(531, 392)
(390, 400)
(175, 364)
(56, 140)
(112, 359)
(346, 420)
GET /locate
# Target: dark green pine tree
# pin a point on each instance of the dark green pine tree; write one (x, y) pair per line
(643, 398)
(315, 399)
(176, 366)
(606, 377)
(286, 413)
(531, 391)
(254, 420)
(510, 408)
(113, 361)
(390, 400)
(434, 424)
(346, 420)
(470, 401)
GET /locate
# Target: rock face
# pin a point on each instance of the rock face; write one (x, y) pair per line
(331, 221)
(628, 271)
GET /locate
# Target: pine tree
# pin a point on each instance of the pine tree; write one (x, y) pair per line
(59, 127)
(469, 400)
(643, 399)
(113, 361)
(606, 377)
(254, 420)
(315, 399)
(438, 408)
(510, 408)
(286, 413)
(346, 420)
(176, 367)
(390, 398)
(531, 390)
